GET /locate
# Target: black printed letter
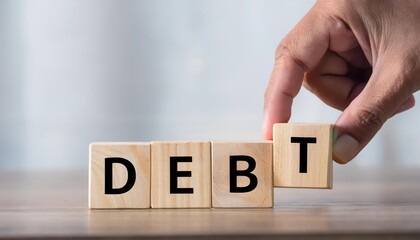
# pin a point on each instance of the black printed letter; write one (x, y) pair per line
(234, 173)
(174, 174)
(303, 146)
(131, 175)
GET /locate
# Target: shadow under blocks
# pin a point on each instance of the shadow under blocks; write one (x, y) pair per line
(209, 174)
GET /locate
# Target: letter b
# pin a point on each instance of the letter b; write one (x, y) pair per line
(234, 173)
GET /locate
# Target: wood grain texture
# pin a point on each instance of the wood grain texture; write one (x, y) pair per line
(200, 180)
(364, 204)
(286, 156)
(139, 195)
(262, 195)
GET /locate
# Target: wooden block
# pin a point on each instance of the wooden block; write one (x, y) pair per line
(181, 175)
(119, 175)
(242, 175)
(302, 155)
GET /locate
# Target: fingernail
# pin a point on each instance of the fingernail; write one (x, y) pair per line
(266, 128)
(345, 148)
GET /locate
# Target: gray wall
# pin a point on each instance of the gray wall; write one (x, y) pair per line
(74, 72)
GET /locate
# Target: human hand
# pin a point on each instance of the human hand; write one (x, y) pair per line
(359, 56)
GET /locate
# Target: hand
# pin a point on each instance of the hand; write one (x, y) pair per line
(360, 56)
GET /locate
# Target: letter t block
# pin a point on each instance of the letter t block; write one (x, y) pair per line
(302, 155)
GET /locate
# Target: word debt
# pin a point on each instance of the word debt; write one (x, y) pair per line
(209, 174)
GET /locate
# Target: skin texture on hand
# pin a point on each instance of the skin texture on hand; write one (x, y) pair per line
(361, 57)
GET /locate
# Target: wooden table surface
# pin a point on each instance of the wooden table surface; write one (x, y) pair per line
(363, 204)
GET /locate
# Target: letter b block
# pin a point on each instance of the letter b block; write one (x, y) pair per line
(242, 175)
(119, 175)
(302, 155)
(181, 175)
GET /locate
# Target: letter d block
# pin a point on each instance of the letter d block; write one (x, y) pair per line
(119, 175)
(181, 175)
(302, 155)
(242, 175)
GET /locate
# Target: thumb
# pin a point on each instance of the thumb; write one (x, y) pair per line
(386, 92)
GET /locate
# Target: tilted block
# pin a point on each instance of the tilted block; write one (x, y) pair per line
(119, 175)
(242, 175)
(181, 175)
(302, 155)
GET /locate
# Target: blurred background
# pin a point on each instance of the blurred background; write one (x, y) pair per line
(74, 72)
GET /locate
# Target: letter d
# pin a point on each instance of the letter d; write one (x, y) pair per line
(131, 175)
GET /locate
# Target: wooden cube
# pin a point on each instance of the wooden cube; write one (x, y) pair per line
(302, 155)
(242, 175)
(181, 175)
(119, 175)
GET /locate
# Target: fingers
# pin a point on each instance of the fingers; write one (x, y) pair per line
(344, 80)
(331, 64)
(344, 43)
(342, 38)
(383, 96)
(355, 57)
(335, 91)
(332, 81)
(302, 49)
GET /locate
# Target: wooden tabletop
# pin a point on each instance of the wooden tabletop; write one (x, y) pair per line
(363, 204)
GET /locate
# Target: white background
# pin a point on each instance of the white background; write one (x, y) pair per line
(74, 72)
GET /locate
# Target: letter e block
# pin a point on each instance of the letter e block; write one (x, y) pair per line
(302, 155)
(119, 175)
(242, 175)
(181, 175)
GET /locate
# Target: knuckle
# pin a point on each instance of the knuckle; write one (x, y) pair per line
(287, 50)
(371, 118)
(282, 50)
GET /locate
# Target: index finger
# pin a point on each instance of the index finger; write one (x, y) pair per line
(299, 51)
